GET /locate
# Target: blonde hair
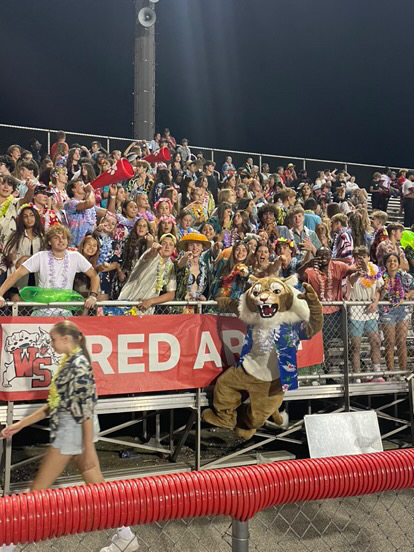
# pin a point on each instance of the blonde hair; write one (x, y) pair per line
(340, 217)
(224, 194)
(323, 229)
(380, 215)
(65, 328)
(55, 230)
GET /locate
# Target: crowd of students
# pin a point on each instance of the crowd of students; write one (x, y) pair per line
(190, 231)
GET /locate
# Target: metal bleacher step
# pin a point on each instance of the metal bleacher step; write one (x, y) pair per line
(252, 459)
(117, 474)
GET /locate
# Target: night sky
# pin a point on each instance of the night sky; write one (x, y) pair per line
(316, 78)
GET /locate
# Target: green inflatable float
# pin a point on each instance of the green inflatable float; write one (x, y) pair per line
(407, 239)
(32, 294)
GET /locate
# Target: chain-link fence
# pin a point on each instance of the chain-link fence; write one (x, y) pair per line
(381, 522)
(359, 344)
(380, 340)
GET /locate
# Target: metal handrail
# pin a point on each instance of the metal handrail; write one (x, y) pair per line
(181, 304)
(212, 149)
(68, 132)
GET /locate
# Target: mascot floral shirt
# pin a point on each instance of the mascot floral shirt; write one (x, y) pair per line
(277, 345)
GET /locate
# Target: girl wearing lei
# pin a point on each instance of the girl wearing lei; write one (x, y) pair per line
(364, 285)
(192, 270)
(126, 220)
(207, 197)
(109, 258)
(198, 213)
(231, 277)
(395, 319)
(163, 207)
(144, 212)
(74, 425)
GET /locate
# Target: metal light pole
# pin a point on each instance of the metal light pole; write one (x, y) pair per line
(144, 77)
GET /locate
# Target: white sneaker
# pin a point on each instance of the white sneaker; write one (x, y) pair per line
(7, 548)
(121, 545)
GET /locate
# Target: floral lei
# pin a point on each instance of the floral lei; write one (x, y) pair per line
(200, 283)
(5, 206)
(163, 271)
(53, 398)
(51, 262)
(267, 338)
(395, 293)
(370, 277)
(328, 288)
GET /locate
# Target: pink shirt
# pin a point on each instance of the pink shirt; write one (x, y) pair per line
(331, 283)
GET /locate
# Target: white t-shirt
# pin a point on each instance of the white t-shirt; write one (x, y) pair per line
(361, 293)
(351, 186)
(41, 263)
(407, 187)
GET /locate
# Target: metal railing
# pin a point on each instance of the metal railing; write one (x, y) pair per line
(22, 135)
(339, 346)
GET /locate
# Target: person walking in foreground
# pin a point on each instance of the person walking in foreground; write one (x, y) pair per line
(74, 425)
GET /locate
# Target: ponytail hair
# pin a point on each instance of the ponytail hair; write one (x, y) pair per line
(69, 328)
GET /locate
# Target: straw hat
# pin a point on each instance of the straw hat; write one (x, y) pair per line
(194, 238)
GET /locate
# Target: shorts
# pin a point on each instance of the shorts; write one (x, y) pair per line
(358, 328)
(69, 435)
(394, 315)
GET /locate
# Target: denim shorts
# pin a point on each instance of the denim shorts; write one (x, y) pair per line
(394, 315)
(69, 435)
(358, 328)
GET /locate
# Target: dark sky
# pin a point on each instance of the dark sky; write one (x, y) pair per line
(316, 78)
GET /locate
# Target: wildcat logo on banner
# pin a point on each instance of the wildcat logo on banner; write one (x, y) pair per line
(27, 358)
(130, 354)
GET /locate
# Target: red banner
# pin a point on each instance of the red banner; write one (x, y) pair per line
(130, 354)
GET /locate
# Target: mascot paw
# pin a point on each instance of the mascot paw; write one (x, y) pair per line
(309, 295)
(245, 434)
(281, 419)
(211, 418)
(228, 305)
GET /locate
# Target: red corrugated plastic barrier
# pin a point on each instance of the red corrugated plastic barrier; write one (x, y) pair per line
(236, 492)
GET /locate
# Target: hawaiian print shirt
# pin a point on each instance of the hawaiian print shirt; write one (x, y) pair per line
(76, 387)
(286, 342)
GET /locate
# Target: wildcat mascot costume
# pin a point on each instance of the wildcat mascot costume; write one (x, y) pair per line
(278, 317)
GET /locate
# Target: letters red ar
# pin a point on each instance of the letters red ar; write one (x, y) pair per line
(28, 365)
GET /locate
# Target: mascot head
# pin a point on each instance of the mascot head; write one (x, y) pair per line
(273, 301)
